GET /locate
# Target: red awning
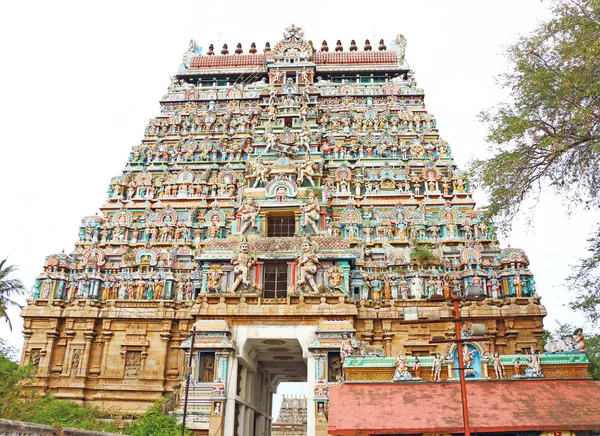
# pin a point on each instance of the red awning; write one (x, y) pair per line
(494, 406)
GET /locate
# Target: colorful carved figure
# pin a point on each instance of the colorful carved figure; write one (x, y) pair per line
(517, 367)
(307, 265)
(578, 340)
(437, 367)
(417, 368)
(310, 213)
(242, 264)
(248, 213)
(498, 366)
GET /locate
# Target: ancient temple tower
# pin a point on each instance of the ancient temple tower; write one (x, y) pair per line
(281, 199)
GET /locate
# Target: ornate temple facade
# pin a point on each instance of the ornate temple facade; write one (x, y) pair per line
(279, 201)
(292, 417)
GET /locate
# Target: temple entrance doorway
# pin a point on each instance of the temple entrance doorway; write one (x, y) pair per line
(269, 360)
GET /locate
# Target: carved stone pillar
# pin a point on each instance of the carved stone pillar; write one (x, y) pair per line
(106, 337)
(27, 333)
(46, 353)
(387, 343)
(66, 368)
(89, 336)
(165, 336)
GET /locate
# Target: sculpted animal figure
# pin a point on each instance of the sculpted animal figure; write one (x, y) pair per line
(370, 350)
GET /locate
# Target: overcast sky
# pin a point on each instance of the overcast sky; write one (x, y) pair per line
(79, 81)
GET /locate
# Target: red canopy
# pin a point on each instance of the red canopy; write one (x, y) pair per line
(494, 406)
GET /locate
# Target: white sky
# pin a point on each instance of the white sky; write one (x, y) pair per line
(79, 81)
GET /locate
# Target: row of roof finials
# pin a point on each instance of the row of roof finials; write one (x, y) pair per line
(324, 47)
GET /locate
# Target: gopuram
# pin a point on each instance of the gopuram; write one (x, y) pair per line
(282, 203)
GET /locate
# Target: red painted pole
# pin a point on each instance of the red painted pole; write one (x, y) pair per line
(461, 365)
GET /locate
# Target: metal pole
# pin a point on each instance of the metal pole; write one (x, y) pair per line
(188, 370)
(461, 364)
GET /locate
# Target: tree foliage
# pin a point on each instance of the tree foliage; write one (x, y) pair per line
(422, 255)
(548, 134)
(9, 289)
(585, 281)
(549, 131)
(19, 403)
(154, 422)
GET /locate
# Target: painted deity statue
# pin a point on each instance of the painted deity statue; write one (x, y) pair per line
(578, 340)
(498, 366)
(437, 367)
(242, 264)
(308, 264)
(310, 213)
(401, 364)
(306, 170)
(416, 287)
(347, 347)
(468, 359)
(260, 171)
(214, 279)
(248, 211)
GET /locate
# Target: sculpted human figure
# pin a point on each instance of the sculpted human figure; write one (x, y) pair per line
(417, 367)
(249, 211)
(213, 230)
(306, 170)
(260, 171)
(269, 137)
(214, 279)
(310, 213)
(401, 364)
(347, 347)
(498, 365)
(517, 367)
(578, 340)
(158, 288)
(304, 139)
(518, 284)
(437, 367)
(468, 358)
(242, 264)
(307, 264)
(416, 287)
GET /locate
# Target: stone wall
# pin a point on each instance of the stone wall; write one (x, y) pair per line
(19, 428)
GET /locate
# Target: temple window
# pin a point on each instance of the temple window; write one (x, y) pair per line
(334, 366)
(206, 367)
(275, 281)
(281, 226)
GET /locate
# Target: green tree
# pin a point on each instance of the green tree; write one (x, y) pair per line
(422, 255)
(9, 289)
(154, 422)
(547, 136)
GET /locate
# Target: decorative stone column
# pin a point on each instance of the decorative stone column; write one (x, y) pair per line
(66, 368)
(89, 336)
(106, 336)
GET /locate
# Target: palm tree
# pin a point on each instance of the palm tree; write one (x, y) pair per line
(9, 288)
